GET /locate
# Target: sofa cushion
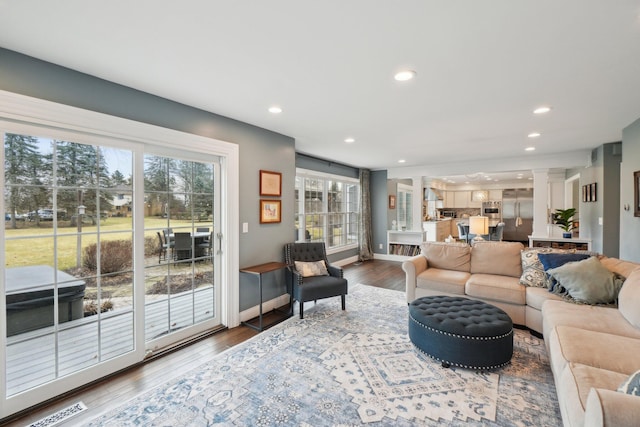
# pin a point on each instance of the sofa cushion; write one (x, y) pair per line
(588, 281)
(629, 298)
(574, 385)
(554, 260)
(537, 296)
(631, 385)
(591, 317)
(502, 258)
(446, 281)
(597, 349)
(497, 288)
(618, 266)
(447, 256)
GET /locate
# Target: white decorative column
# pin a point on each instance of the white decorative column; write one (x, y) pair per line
(416, 206)
(540, 203)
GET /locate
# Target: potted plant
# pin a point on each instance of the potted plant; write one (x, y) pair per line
(564, 219)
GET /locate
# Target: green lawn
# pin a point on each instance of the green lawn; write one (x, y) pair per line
(31, 245)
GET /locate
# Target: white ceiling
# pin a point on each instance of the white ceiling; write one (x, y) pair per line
(482, 67)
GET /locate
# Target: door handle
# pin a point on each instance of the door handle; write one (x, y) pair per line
(219, 236)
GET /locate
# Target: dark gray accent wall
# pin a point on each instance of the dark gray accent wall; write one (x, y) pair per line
(629, 224)
(259, 148)
(379, 207)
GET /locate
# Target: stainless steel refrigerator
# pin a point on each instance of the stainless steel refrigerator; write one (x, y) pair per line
(517, 214)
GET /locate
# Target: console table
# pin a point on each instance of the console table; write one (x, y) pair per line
(560, 243)
(258, 271)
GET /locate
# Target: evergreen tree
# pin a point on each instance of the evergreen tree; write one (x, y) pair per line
(27, 172)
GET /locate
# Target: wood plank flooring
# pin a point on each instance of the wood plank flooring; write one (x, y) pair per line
(113, 391)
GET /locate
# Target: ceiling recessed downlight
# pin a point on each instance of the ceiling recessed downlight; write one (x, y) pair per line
(274, 109)
(405, 75)
(530, 149)
(533, 135)
(542, 110)
(401, 161)
(350, 140)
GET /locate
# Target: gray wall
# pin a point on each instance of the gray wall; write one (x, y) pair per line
(259, 148)
(379, 200)
(605, 172)
(629, 224)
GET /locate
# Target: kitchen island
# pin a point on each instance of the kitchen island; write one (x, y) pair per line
(437, 230)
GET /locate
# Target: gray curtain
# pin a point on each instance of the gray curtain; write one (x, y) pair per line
(365, 233)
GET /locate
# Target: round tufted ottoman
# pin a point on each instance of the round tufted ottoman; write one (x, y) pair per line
(461, 332)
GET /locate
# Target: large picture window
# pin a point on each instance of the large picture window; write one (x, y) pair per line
(326, 210)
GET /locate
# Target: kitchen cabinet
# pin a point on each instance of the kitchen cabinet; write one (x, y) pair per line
(449, 201)
(462, 199)
(495, 195)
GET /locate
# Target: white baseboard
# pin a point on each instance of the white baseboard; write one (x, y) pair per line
(388, 257)
(345, 261)
(267, 306)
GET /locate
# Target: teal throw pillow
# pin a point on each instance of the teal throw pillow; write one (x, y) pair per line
(554, 260)
(631, 385)
(588, 281)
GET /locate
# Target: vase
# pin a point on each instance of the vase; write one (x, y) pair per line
(566, 235)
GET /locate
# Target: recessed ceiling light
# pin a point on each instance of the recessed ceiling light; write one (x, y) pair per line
(542, 110)
(350, 140)
(530, 149)
(275, 109)
(403, 76)
(401, 161)
(533, 135)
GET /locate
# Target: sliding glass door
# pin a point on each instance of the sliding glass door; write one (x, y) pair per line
(112, 248)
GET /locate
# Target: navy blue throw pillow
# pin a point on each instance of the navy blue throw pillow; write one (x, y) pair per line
(552, 260)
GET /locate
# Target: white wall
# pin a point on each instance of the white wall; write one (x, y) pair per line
(629, 225)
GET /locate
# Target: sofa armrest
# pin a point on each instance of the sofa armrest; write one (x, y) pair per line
(412, 268)
(608, 408)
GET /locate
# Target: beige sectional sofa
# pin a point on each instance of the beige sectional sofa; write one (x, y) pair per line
(592, 349)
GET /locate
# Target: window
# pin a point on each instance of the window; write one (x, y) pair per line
(405, 216)
(326, 209)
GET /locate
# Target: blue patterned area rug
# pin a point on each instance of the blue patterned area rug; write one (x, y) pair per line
(348, 368)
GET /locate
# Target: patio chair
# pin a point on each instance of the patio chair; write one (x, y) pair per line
(182, 246)
(202, 229)
(303, 283)
(162, 249)
(205, 247)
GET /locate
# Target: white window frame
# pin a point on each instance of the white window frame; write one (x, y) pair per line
(306, 173)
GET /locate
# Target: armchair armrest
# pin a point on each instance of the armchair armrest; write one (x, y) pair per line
(412, 268)
(335, 271)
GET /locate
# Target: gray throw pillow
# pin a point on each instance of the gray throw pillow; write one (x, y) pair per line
(309, 269)
(631, 385)
(588, 281)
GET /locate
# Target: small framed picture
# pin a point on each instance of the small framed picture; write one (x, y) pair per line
(270, 211)
(636, 193)
(584, 193)
(594, 192)
(392, 202)
(270, 183)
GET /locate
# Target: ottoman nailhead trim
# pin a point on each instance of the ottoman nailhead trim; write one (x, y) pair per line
(466, 337)
(480, 368)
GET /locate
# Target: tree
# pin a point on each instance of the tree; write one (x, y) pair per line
(82, 177)
(27, 172)
(117, 178)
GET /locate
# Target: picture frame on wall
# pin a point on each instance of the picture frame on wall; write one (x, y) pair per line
(270, 211)
(594, 192)
(636, 193)
(584, 193)
(270, 183)
(392, 202)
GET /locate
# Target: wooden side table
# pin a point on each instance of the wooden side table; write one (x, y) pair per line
(259, 270)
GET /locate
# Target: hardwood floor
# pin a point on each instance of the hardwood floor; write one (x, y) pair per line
(113, 391)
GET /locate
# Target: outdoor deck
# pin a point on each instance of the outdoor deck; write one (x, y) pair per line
(31, 355)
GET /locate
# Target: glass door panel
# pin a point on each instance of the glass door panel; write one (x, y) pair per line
(180, 287)
(68, 261)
